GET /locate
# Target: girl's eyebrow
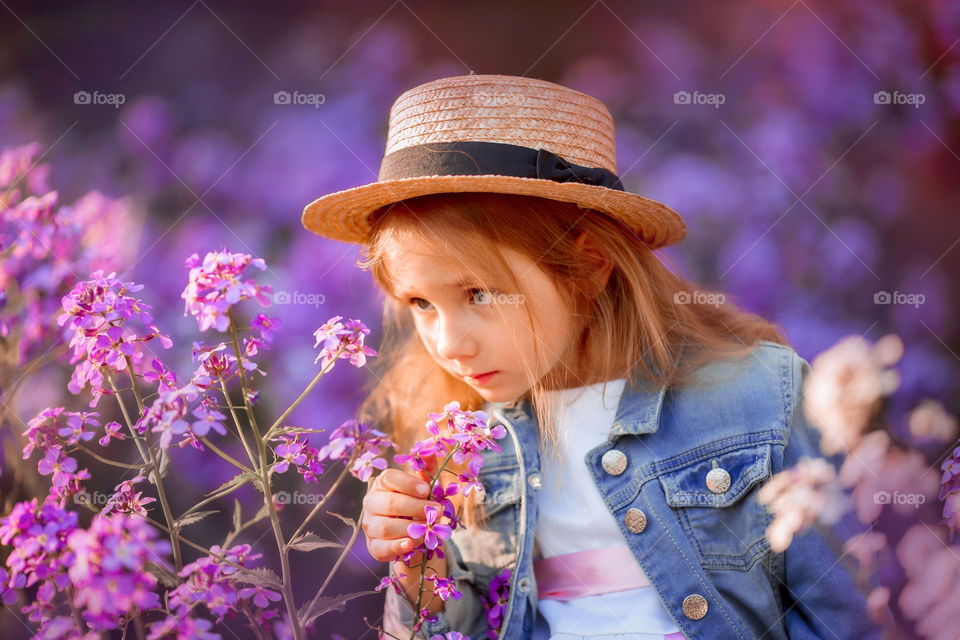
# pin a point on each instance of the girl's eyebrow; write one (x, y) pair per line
(410, 291)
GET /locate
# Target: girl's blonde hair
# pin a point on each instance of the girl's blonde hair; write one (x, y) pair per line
(646, 324)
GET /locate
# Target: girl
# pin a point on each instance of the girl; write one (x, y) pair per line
(642, 414)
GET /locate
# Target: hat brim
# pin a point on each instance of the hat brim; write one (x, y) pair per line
(345, 215)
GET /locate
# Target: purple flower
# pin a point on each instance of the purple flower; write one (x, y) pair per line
(125, 500)
(352, 439)
(495, 603)
(182, 628)
(111, 430)
(207, 581)
(260, 596)
(364, 465)
(450, 635)
(266, 326)
(291, 451)
(215, 285)
(208, 419)
(58, 463)
(444, 588)
(343, 338)
(99, 312)
(431, 532)
(108, 568)
(390, 581)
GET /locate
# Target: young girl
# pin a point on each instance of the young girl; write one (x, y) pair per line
(642, 414)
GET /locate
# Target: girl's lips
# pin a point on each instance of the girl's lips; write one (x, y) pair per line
(482, 378)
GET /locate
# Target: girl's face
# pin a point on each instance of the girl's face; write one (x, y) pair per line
(465, 332)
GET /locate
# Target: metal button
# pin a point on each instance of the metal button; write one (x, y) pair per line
(718, 480)
(636, 520)
(523, 584)
(614, 462)
(535, 480)
(694, 606)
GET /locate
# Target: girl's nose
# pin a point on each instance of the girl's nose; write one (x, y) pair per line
(455, 340)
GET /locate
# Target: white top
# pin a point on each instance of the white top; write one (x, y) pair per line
(573, 517)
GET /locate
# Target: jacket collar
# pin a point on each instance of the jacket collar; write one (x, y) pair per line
(638, 411)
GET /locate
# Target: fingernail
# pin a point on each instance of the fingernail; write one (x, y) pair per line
(423, 488)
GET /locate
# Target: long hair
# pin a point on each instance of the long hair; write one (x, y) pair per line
(647, 324)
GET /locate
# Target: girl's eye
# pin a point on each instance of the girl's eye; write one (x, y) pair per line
(482, 296)
(417, 302)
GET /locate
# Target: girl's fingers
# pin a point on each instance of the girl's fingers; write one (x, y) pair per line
(401, 482)
(387, 550)
(389, 503)
(384, 528)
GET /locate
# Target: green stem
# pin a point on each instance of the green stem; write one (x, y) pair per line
(226, 456)
(124, 465)
(236, 422)
(320, 503)
(148, 457)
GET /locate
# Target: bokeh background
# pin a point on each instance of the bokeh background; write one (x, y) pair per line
(816, 163)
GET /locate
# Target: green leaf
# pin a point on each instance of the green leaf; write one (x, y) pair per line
(311, 542)
(261, 576)
(348, 521)
(316, 608)
(183, 521)
(234, 483)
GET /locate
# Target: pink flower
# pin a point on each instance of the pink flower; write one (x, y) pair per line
(364, 465)
(215, 285)
(845, 387)
(343, 338)
(431, 532)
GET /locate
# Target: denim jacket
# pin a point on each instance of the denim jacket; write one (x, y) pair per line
(697, 546)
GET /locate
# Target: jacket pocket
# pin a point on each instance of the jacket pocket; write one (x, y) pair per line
(720, 514)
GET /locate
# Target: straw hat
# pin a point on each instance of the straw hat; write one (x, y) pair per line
(499, 134)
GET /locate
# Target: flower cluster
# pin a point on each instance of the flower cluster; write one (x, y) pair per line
(304, 458)
(950, 492)
(216, 284)
(342, 340)
(38, 535)
(495, 603)
(360, 443)
(51, 432)
(460, 436)
(99, 311)
(213, 581)
(126, 500)
(108, 568)
(45, 243)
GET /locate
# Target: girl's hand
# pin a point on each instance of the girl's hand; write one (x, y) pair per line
(393, 502)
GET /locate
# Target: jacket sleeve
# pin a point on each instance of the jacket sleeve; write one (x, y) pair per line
(465, 615)
(821, 595)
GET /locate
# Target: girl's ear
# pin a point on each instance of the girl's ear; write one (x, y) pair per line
(598, 264)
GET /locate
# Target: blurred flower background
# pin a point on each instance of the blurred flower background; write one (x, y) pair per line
(813, 149)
